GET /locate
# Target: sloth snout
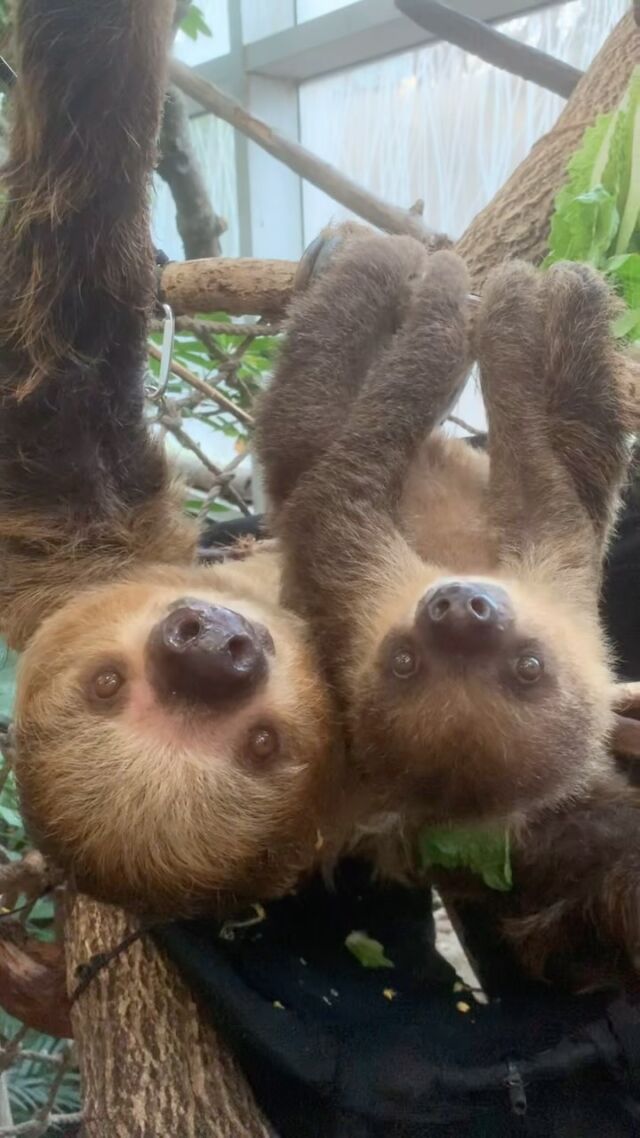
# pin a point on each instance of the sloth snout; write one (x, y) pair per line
(207, 654)
(465, 617)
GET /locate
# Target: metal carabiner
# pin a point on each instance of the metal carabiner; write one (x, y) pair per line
(156, 393)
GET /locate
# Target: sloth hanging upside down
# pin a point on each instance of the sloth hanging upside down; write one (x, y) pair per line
(454, 596)
(180, 731)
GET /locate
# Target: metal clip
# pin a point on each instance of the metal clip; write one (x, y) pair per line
(157, 392)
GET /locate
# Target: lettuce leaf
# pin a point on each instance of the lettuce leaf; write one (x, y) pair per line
(484, 852)
(597, 212)
(367, 951)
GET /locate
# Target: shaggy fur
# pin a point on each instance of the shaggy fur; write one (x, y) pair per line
(165, 807)
(382, 516)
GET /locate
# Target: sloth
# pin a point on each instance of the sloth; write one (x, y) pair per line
(453, 596)
(174, 740)
(179, 748)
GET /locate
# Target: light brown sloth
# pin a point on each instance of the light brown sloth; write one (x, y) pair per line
(454, 596)
(178, 746)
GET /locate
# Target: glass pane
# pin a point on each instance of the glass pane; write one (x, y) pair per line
(441, 125)
(214, 146)
(204, 47)
(261, 18)
(309, 9)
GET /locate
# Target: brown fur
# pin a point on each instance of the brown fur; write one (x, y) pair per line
(159, 807)
(472, 746)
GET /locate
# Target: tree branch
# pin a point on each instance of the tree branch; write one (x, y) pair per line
(199, 225)
(494, 47)
(516, 221)
(297, 158)
(239, 286)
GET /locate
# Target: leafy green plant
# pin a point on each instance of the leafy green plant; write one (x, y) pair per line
(235, 364)
(484, 852)
(193, 24)
(597, 213)
(29, 1080)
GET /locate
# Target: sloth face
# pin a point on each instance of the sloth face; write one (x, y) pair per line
(485, 697)
(173, 740)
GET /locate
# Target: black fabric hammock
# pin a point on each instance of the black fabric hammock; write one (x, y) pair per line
(335, 1050)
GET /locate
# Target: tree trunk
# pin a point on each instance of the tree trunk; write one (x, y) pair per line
(516, 221)
(151, 1066)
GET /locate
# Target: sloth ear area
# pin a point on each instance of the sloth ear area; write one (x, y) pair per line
(626, 730)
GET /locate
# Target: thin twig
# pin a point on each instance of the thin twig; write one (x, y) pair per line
(219, 328)
(188, 443)
(206, 388)
(36, 1127)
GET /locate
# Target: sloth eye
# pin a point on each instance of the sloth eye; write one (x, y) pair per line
(263, 743)
(108, 683)
(403, 663)
(529, 669)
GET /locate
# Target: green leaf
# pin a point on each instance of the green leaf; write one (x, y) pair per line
(194, 24)
(368, 952)
(10, 817)
(586, 228)
(627, 325)
(483, 852)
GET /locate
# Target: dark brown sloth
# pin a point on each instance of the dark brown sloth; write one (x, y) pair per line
(454, 598)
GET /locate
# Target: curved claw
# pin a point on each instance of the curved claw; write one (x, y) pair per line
(315, 259)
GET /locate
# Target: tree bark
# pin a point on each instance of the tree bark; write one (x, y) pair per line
(515, 224)
(198, 224)
(241, 287)
(151, 1066)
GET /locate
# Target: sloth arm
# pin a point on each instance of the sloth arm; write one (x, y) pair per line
(85, 492)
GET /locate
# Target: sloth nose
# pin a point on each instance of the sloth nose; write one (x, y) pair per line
(465, 617)
(208, 654)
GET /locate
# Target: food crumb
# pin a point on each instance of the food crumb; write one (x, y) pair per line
(334, 992)
(463, 1007)
(389, 993)
(277, 1004)
(319, 840)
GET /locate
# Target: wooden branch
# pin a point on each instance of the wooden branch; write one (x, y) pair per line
(515, 224)
(32, 981)
(150, 1064)
(494, 47)
(516, 221)
(198, 224)
(297, 158)
(239, 286)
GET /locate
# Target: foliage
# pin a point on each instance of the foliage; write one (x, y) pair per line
(236, 365)
(29, 1081)
(367, 951)
(597, 212)
(193, 23)
(484, 852)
